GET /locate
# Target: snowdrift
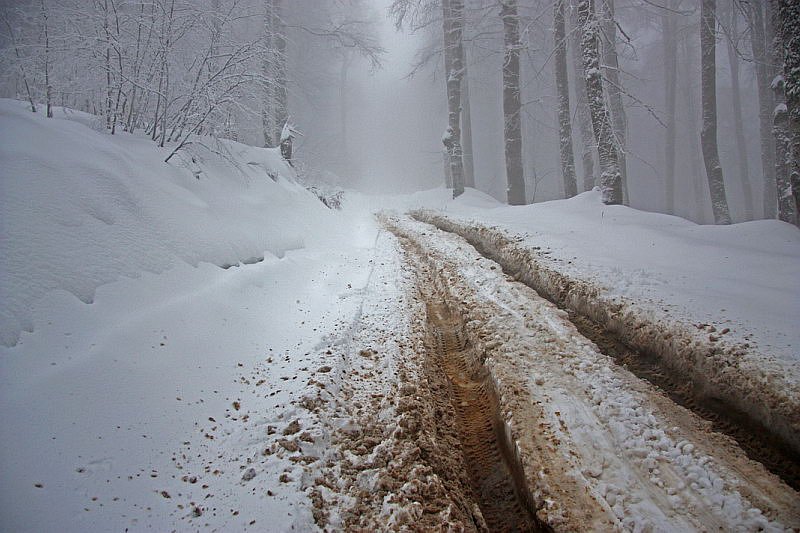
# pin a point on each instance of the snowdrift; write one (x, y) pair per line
(80, 208)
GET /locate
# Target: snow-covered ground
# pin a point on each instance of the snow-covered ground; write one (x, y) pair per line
(139, 379)
(163, 327)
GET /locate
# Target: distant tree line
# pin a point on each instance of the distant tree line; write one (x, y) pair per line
(587, 34)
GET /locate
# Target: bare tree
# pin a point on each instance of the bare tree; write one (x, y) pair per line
(670, 56)
(562, 87)
(708, 133)
(275, 106)
(758, 43)
(614, 89)
(610, 178)
(452, 26)
(512, 126)
(582, 112)
(787, 112)
(466, 129)
(741, 146)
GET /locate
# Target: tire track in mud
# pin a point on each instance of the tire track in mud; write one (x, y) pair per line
(756, 439)
(499, 492)
(497, 482)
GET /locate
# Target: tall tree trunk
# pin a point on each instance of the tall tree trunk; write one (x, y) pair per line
(582, 105)
(670, 51)
(765, 106)
(781, 117)
(788, 33)
(614, 89)
(708, 134)
(48, 89)
(687, 67)
(512, 108)
(562, 88)
(276, 94)
(20, 64)
(466, 117)
(741, 145)
(610, 178)
(344, 109)
(452, 27)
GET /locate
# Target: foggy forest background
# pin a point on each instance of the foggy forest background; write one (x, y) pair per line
(366, 85)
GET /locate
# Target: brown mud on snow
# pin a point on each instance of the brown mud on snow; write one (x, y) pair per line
(698, 370)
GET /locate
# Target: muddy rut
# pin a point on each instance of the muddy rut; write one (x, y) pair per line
(499, 492)
(760, 442)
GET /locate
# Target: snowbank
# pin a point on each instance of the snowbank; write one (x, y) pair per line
(81, 208)
(169, 401)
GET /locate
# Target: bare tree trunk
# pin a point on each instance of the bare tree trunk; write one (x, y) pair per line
(708, 134)
(48, 89)
(668, 27)
(741, 145)
(582, 106)
(448, 174)
(562, 88)
(765, 105)
(344, 108)
(512, 108)
(452, 27)
(781, 125)
(275, 111)
(610, 178)
(788, 33)
(614, 89)
(687, 66)
(20, 64)
(281, 88)
(466, 117)
(107, 33)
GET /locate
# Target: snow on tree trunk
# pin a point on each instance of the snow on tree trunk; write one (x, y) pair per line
(741, 145)
(47, 86)
(582, 106)
(788, 37)
(562, 87)
(452, 26)
(670, 51)
(466, 117)
(610, 178)
(276, 94)
(765, 106)
(512, 108)
(708, 133)
(614, 90)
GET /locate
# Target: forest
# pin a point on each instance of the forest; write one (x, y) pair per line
(695, 101)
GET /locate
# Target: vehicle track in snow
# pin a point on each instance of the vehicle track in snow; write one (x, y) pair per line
(753, 437)
(757, 440)
(496, 481)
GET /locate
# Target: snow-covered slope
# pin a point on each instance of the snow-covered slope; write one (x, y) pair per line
(81, 208)
(146, 407)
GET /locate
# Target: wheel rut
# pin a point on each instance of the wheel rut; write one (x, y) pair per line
(496, 481)
(756, 439)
